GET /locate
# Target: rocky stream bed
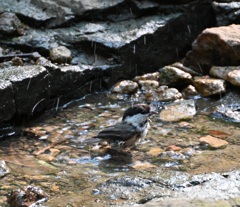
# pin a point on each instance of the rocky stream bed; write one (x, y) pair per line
(171, 167)
(70, 68)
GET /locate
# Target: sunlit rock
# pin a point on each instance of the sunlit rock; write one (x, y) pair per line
(185, 69)
(148, 84)
(147, 76)
(221, 71)
(215, 46)
(60, 55)
(125, 87)
(189, 91)
(209, 86)
(230, 74)
(163, 93)
(234, 77)
(173, 76)
(213, 142)
(179, 110)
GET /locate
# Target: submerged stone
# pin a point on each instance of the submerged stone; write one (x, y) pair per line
(213, 142)
(179, 110)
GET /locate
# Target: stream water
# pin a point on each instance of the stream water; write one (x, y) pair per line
(55, 153)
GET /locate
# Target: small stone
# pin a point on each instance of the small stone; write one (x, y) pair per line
(213, 142)
(60, 55)
(148, 84)
(125, 87)
(54, 152)
(234, 77)
(147, 76)
(209, 86)
(17, 61)
(163, 93)
(173, 148)
(189, 91)
(155, 151)
(46, 157)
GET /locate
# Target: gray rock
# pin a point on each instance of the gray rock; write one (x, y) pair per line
(4, 169)
(227, 12)
(7, 102)
(173, 76)
(178, 110)
(30, 87)
(9, 24)
(163, 93)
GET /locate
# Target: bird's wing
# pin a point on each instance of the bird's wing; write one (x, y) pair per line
(120, 131)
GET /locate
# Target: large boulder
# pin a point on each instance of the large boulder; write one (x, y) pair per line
(217, 46)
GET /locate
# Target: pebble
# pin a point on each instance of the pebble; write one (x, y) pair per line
(173, 148)
(213, 142)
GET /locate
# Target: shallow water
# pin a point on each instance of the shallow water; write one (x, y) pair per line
(56, 153)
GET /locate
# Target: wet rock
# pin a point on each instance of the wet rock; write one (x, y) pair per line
(147, 76)
(46, 157)
(173, 148)
(7, 102)
(227, 108)
(172, 76)
(215, 46)
(163, 93)
(213, 142)
(179, 110)
(227, 12)
(221, 72)
(230, 74)
(155, 151)
(234, 77)
(189, 91)
(46, 63)
(209, 86)
(148, 84)
(10, 24)
(228, 112)
(125, 87)
(26, 197)
(30, 87)
(55, 13)
(124, 186)
(4, 169)
(60, 55)
(185, 69)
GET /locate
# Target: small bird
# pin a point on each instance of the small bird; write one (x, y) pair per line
(133, 127)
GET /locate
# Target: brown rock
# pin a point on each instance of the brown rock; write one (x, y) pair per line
(155, 151)
(213, 142)
(173, 148)
(215, 46)
(209, 86)
(46, 157)
(125, 87)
